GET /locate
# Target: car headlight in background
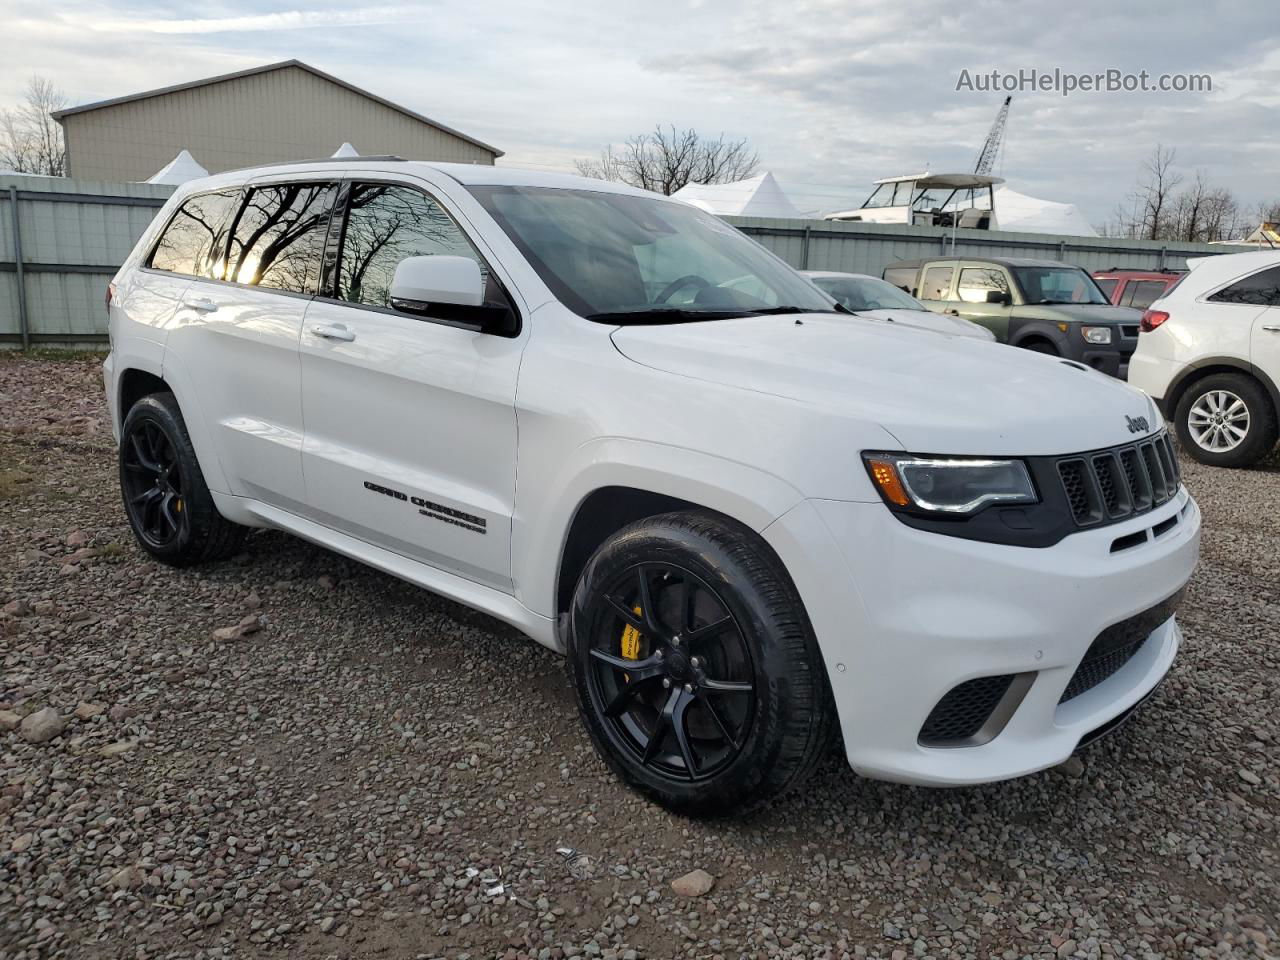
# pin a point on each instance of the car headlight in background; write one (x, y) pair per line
(951, 486)
(1096, 334)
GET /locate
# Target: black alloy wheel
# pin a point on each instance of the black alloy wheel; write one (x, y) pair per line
(151, 478)
(673, 669)
(166, 499)
(697, 673)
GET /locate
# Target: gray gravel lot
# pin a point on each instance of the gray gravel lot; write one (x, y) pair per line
(357, 768)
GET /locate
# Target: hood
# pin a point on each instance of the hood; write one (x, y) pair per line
(941, 395)
(1080, 312)
(928, 320)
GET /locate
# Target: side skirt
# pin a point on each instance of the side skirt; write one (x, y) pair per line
(497, 604)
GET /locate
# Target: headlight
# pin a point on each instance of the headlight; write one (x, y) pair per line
(1096, 334)
(953, 486)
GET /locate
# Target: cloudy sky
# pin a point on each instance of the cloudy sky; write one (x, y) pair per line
(833, 93)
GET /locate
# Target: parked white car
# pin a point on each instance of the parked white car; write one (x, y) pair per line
(1209, 353)
(611, 420)
(878, 299)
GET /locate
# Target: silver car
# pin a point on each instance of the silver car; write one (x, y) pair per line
(878, 299)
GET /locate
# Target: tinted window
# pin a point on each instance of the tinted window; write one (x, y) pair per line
(937, 284)
(1262, 289)
(196, 236)
(279, 236)
(1143, 293)
(976, 282)
(1058, 285)
(387, 224)
(633, 259)
(1108, 285)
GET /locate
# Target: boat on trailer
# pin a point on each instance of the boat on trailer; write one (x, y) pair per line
(950, 200)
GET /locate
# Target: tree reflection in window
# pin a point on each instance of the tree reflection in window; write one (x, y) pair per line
(387, 224)
(1261, 289)
(194, 237)
(279, 238)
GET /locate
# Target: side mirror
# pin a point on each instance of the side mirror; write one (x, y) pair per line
(420, 281)
(998, 296)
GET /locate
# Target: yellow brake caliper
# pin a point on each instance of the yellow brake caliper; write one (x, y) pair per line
(630, 643)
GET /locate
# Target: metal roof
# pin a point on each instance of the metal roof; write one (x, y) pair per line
(267, 68)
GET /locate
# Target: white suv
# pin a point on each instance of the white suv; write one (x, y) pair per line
(1209, 353)
(612, 420)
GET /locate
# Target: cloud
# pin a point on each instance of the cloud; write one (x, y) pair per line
(832, 93)
(283, 20)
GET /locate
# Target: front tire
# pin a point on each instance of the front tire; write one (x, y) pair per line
(697, 673)
(1226, 420)
(168, 504)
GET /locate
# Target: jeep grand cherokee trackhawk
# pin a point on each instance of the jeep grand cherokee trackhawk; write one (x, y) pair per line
(611, 420)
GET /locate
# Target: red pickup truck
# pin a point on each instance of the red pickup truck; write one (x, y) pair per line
(1136, 288)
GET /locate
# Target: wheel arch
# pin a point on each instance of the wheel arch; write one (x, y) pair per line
(609, 483)
(1025, 332)
(1207, 367)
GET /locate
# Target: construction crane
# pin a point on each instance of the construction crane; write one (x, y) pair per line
(991, 149)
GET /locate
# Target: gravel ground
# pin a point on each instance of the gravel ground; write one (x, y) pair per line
(357, 768)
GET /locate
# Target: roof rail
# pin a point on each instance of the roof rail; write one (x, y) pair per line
(381, 158)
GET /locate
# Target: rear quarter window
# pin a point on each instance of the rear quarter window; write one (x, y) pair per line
(192, 242)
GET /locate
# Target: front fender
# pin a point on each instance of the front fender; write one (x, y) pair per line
(750, 496)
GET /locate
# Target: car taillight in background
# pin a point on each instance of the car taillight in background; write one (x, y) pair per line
(1152, 319)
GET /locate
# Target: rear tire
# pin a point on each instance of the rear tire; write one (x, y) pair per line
(1226, 420)
(727, 705)
(168, 504)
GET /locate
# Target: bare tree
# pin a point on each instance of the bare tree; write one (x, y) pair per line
(1154, 193)
(30, 139)
(666, 160)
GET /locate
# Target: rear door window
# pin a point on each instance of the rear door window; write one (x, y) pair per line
(1143, 293)
(194, 240)
(279, 236)
(936, 284)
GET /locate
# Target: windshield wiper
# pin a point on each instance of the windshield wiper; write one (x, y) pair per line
(770, 311)
(1067, 303)
(662, 315)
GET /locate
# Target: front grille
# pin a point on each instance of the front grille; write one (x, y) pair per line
(1117, 645)
(1121, 482)
(964, 710)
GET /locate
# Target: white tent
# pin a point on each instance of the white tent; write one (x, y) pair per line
(757, 197)
(346, 150)
(180, 169)
(1023, 214)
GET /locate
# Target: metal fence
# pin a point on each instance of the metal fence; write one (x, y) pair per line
(60, 242)
(870, 247)
(62, 239)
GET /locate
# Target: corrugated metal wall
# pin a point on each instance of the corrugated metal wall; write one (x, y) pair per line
(869, 247)
(76, 233)
(271, 117)
(74, 236)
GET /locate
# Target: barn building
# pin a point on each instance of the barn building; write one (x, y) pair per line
(269, 114)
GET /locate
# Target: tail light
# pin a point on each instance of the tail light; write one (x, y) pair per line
(1152, 319)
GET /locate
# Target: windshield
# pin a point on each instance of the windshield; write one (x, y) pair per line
(625, 259)
(1058, 285)
(867, 293)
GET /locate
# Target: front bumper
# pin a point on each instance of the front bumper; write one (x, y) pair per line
(903, 616)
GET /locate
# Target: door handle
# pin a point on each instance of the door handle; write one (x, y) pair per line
(334, 331)
(203, 305)
(1271, 327)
